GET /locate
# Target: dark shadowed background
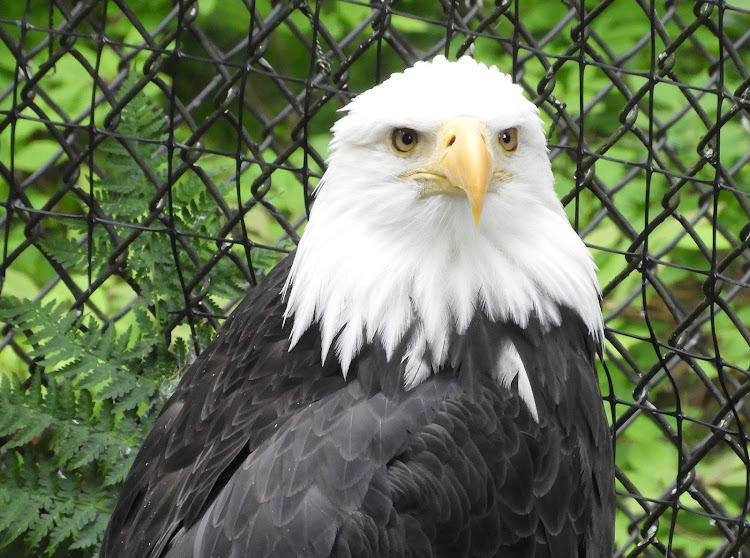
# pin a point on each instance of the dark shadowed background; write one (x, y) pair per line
(157, 159)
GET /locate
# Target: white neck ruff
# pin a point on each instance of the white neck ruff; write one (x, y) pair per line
(365, 270)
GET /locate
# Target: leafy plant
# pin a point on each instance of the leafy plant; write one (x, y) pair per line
(70, 432)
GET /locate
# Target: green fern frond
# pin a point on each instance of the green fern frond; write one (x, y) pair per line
(20, 513)
(71, 430)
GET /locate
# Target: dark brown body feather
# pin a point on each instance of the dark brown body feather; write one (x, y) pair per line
(262, 451)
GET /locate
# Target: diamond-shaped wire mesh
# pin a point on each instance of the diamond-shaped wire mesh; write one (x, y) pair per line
(197, 130)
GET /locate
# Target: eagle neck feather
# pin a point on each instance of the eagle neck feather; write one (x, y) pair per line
(365, 276)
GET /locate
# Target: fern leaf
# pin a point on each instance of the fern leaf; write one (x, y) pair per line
(142, 391)
(65, 523)
(90, 535)
(27, 426)
(119, 384)
(20, 513)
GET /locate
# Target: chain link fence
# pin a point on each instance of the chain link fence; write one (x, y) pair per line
(157, 158)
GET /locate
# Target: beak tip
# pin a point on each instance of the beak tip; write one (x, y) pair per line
(477, 213)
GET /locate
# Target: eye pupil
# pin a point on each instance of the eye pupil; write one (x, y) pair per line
(407, 138)
(506, 137)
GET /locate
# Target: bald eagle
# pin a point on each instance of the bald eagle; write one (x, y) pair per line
(418, 378)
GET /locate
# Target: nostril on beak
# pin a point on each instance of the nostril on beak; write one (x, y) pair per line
(451, 141)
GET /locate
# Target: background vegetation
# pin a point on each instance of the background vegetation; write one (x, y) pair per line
(155, 166)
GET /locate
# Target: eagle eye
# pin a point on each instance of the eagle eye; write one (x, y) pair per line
(509, 139)
(404, 140)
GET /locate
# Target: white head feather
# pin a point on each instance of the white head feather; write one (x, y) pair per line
(378, 259)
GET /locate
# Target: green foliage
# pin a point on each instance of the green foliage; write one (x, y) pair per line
(64, 459)
(70, 432)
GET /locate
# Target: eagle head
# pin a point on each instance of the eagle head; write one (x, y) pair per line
(437, 204)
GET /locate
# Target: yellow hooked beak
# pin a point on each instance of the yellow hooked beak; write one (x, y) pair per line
(466, 160)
